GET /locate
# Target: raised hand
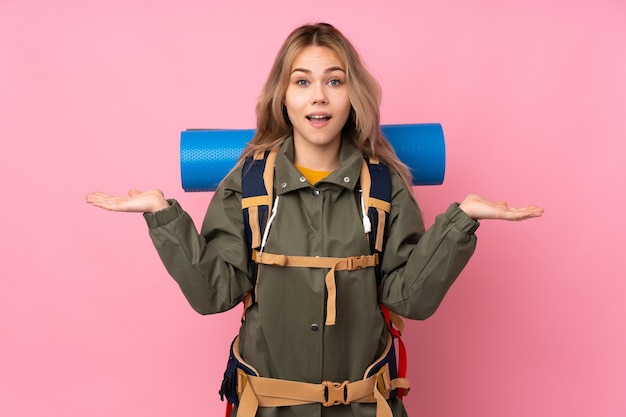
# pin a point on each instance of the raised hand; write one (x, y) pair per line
(139, 202)
(478, 208)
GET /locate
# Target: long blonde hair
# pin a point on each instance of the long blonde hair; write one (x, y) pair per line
(363, 125)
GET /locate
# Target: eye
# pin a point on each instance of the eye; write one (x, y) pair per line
(302, 82)
(335, 82)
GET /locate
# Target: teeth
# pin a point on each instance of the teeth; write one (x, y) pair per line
(318, 117)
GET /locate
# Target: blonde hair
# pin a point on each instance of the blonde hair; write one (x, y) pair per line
(363, 125)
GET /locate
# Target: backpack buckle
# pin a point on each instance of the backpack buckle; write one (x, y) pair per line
(335, 393)
(360, 262)
(356, 262)
(383, 381)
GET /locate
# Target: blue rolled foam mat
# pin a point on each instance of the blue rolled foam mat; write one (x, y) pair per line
(207, 155)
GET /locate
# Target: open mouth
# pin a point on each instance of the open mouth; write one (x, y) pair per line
(318, 117)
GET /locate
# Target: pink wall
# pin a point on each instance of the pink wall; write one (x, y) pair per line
(93, 95)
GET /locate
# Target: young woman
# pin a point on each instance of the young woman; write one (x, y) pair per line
(312, 332)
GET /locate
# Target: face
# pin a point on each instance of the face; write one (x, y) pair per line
(317, 101)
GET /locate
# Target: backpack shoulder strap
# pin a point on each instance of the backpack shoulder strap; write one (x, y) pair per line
(376, 194)
(376, 201)
(257, 187)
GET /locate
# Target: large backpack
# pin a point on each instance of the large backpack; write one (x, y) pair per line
(257, 203)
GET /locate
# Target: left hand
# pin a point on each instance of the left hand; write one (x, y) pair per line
(479, 208)
(149, 201)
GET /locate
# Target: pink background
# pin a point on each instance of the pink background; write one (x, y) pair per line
(532, 97)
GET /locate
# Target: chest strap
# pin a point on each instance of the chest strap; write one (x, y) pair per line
(351, 263)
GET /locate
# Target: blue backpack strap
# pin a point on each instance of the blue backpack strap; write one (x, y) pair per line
(254, 199)
(257, 188)
(378, 202)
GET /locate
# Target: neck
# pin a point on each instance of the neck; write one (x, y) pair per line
(317, 158)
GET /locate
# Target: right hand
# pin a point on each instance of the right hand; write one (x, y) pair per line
(139, 202)
(479, 208)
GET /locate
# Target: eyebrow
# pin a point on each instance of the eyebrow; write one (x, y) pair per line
(326, 71)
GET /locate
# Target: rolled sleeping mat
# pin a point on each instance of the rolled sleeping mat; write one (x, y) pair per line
(207, 155)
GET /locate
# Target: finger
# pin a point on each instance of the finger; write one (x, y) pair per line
(94, 194)
(525, 213)
(108, 204)
(531, 209)
(92, 198)
(134, 192)
(105, 201)
(100, 197)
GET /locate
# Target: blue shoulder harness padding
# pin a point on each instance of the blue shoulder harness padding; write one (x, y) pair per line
(207, 155)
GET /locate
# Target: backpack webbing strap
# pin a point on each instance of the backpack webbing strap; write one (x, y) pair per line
(268, 178)
(350, 263)
(252, 204)
(272, 392)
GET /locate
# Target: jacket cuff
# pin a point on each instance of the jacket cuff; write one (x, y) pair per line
(165, 216)
(461, 220)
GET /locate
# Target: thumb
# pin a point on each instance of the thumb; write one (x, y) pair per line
(133, 192)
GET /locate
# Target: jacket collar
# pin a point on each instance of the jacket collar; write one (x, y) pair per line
(288, 177)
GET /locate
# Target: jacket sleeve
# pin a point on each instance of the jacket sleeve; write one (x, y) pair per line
(211, 268)
(420, 266)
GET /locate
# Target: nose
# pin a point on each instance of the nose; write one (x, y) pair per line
(319, 94)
